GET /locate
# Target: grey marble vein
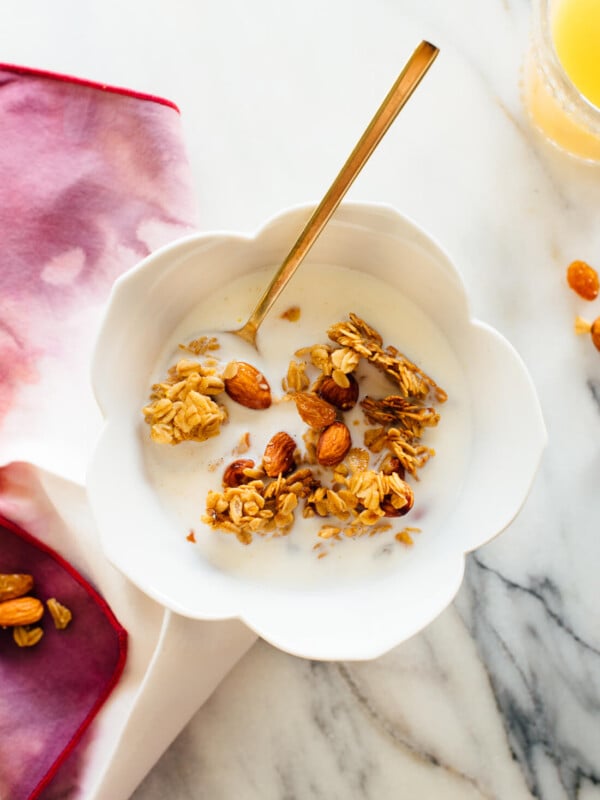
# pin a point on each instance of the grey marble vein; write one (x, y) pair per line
(545, 677)
(381, 720)
(594, 387)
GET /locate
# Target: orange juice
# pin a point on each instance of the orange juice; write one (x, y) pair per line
(562, 75)
(576, 35)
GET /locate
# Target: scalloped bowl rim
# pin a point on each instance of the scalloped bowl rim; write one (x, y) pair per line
(370, 218)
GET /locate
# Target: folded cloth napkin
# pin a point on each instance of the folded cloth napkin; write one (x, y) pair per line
(92, 179)
(55, 687)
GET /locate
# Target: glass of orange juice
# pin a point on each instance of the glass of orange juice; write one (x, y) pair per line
(562, 75)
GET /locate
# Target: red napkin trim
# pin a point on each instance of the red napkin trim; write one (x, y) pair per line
(104, 87)
(119, 632)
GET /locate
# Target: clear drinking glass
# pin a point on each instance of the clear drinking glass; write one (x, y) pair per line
(556, 106)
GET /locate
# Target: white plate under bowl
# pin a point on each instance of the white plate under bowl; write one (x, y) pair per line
(355, 618)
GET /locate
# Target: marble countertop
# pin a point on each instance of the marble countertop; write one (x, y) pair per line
(500, 696)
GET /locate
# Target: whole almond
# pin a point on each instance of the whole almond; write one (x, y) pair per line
(234, 473)
(16, 585)
(342, 397)
(247, 386)
(316, 412)
(21, 611)
(334, 442)
(279, 455)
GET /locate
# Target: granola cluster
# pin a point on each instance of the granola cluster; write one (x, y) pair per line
(400, 419)
(355, 490)
(359, 337)
(259, 506)
(400, 424)
(183, 406)
(296, 379)
(362, 498)
(358, 499)
(336, 363)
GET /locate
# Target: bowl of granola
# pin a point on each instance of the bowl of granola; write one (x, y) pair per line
(324, 487)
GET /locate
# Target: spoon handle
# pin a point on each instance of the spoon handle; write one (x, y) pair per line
(408, 80)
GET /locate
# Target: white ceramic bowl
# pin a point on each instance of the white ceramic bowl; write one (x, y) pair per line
(355, 619)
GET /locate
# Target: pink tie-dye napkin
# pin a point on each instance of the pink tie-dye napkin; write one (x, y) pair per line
(91, 180)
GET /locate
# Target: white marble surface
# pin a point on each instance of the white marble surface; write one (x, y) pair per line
(499, 697)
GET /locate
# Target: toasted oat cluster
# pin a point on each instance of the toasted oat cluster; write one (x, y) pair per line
(400, 424)
(336, 363)
(296, 379)
(366, 342)
(360, 500)
(259, 506)
(183, 407)
(400, 419)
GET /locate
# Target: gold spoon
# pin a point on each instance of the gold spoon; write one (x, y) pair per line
(408, 80)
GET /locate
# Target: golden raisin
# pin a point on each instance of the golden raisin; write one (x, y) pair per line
(583, 279)
(234, 473)
(595, 332)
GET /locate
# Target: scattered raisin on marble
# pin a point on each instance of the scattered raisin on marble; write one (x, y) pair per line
(583, 279)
